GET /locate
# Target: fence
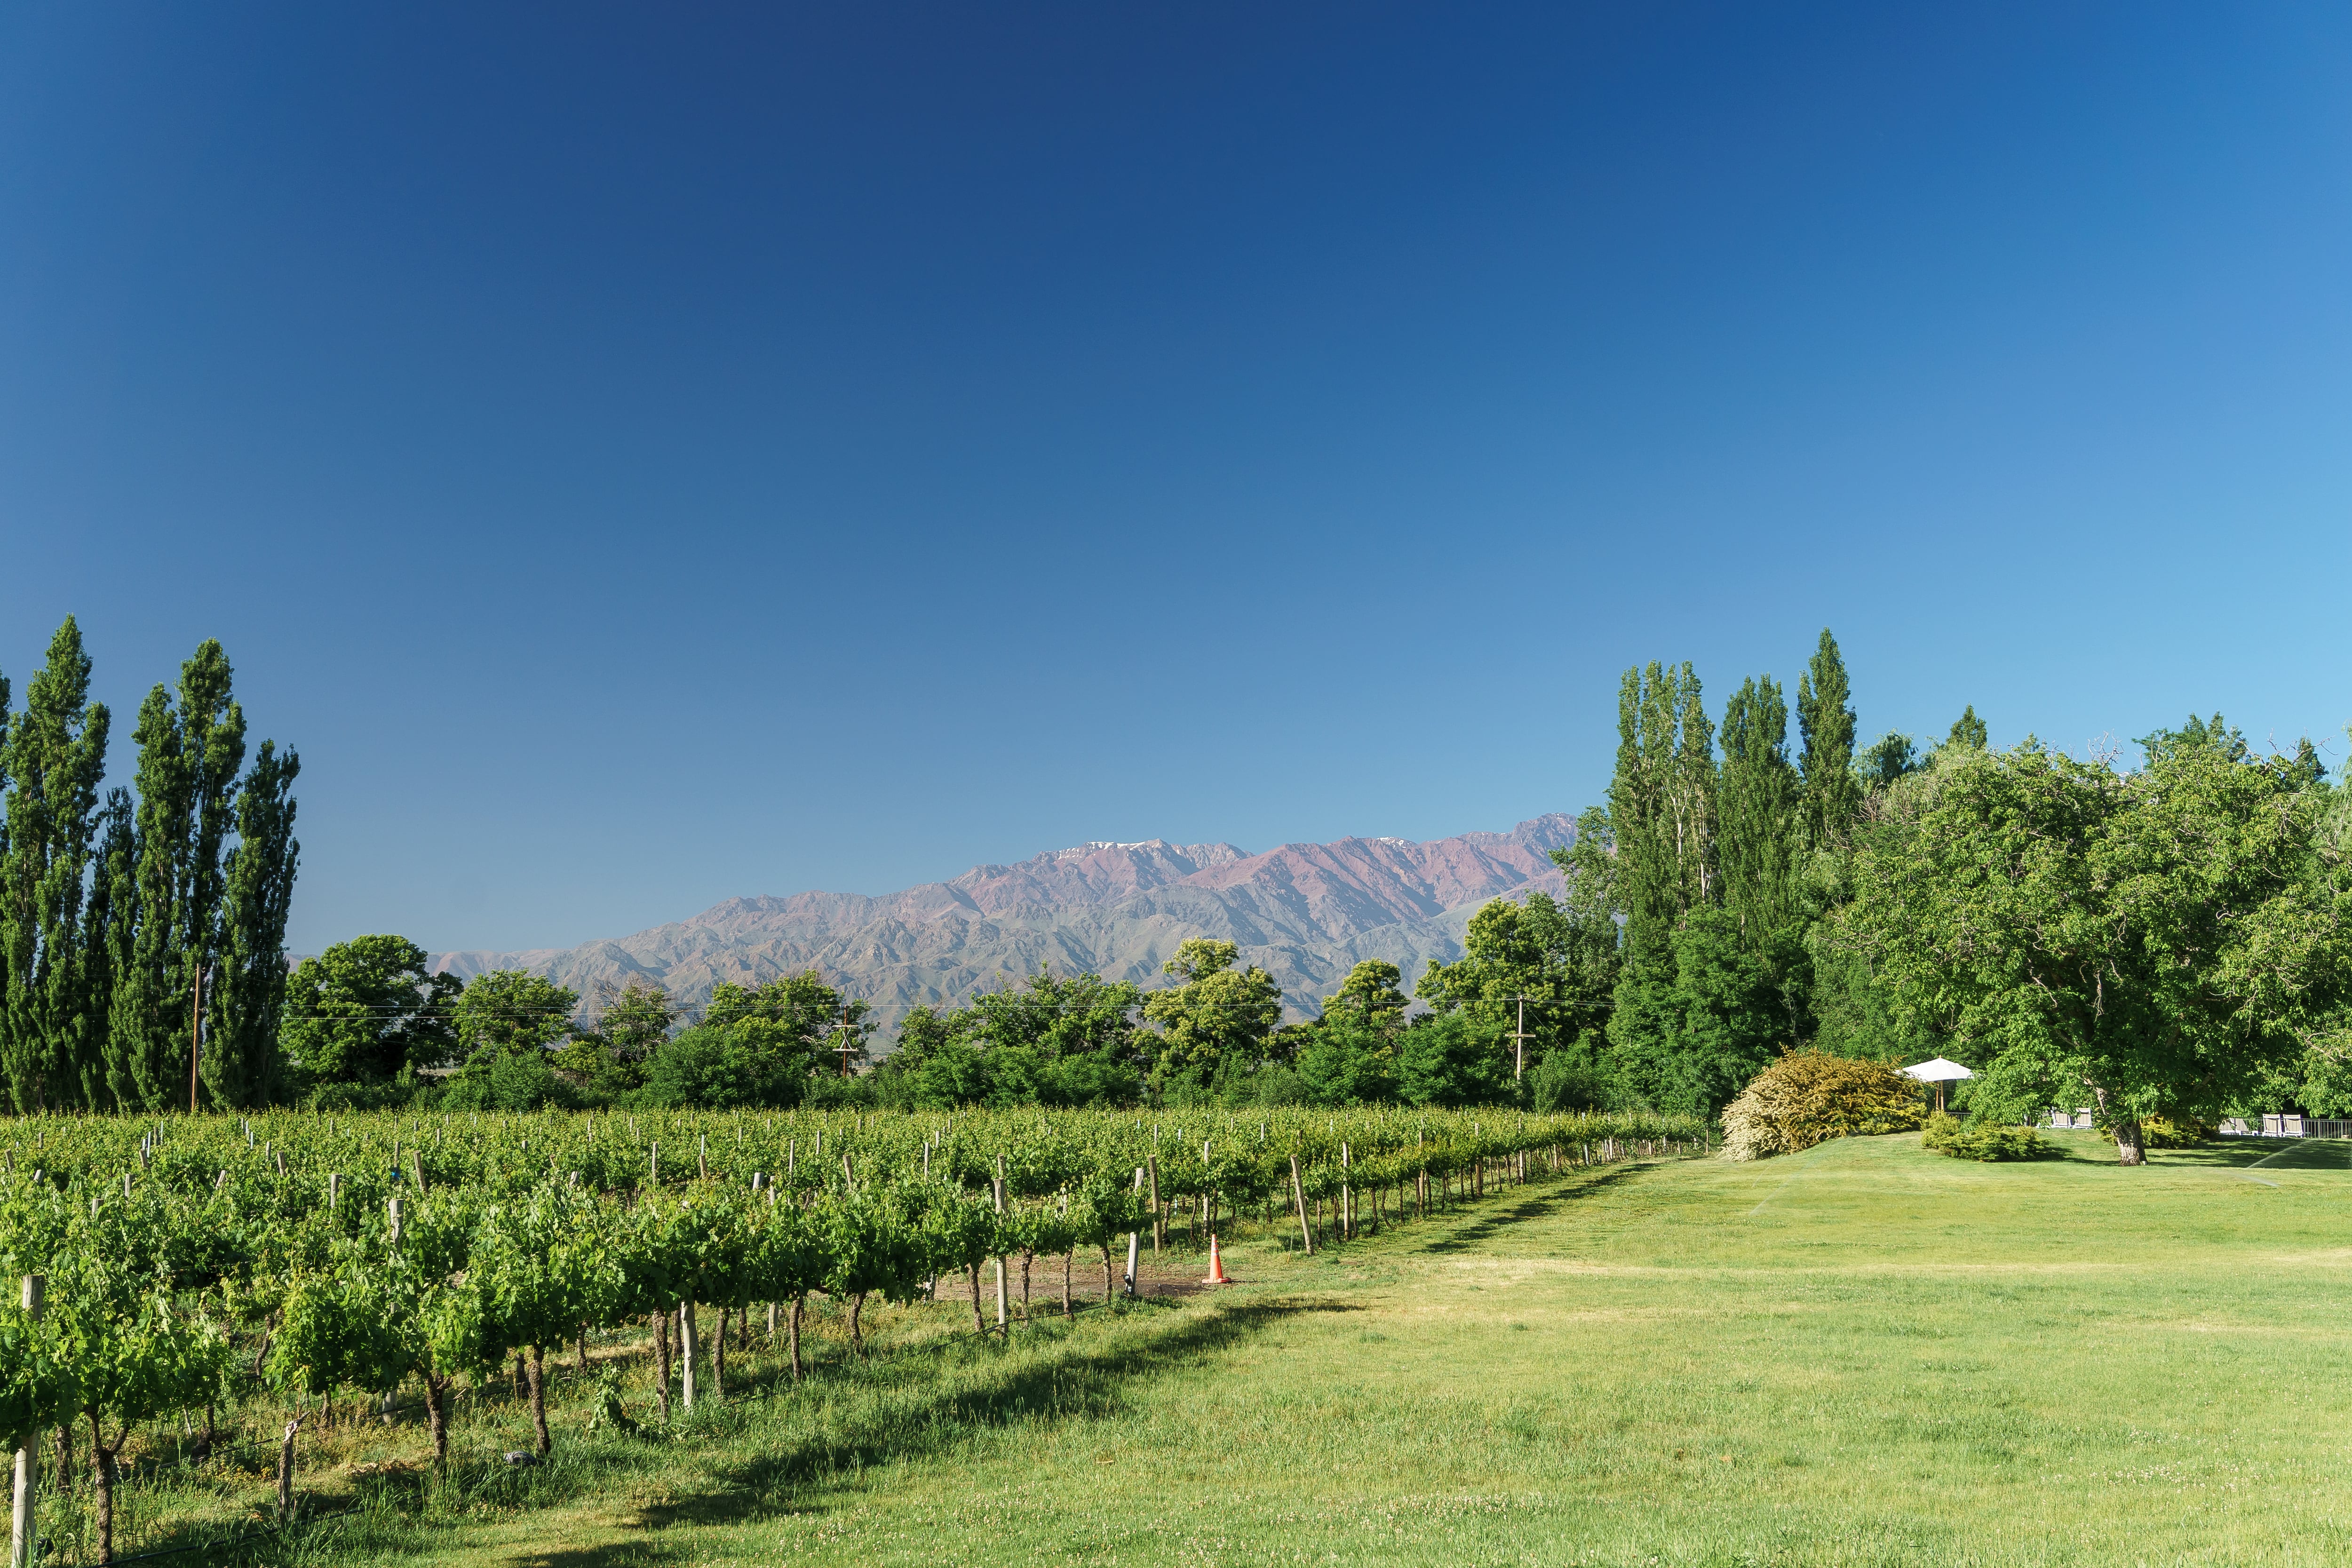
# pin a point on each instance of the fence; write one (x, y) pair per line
(2282, 1126)
(2274, 1126)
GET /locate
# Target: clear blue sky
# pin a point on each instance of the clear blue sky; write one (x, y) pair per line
(641, 455)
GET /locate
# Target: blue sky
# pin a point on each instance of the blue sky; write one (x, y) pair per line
(645, 454)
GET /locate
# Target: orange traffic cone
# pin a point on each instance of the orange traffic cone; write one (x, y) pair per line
(1217, 1264)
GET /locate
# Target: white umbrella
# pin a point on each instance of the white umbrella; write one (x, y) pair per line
(1939, 1072)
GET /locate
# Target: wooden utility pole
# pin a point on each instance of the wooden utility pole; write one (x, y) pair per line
(1519, 1043)
(847, 1033)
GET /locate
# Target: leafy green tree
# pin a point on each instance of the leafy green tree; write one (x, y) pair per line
(1968, 730)
(1590, 955)
(1054, 1039)
(1733, 1012)
(1452, 1059)
(52, 1028)
(633, 1021)
(824, 1019)
(366, 1009)
(1825, 721)
(189, 758)
(496, 1081)
(1517, 965)
(938, 1065)
(1062, 1040)
(1885, 760)
(2196, 735)
(2154, 942)
(1571, 1078)
(1371, 994)
(1217, 1021)
(511, 1012)
(748, 1061)
(1348, 1057)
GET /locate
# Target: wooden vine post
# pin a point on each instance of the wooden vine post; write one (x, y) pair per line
(23, 1519)
(996, 1189)
(1159, 1229)
(1134, 1240)
(1298, 1196)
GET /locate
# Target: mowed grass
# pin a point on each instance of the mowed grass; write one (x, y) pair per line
(1864, 1354)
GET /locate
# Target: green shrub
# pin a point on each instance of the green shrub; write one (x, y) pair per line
(1982, 1140)
(2174, 1132)
(1808, 1097)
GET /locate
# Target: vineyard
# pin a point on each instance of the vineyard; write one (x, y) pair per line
(223, 1291)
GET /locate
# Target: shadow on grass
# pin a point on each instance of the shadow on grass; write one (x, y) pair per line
(1060, 1377)
(2221, 1154)
(1484, 1224)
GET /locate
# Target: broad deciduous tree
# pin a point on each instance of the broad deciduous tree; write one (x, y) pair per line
(2153, 943)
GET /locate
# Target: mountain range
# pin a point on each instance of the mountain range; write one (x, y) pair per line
(1306, 912)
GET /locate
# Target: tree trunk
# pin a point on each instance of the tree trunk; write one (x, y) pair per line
(718, 1358)
(101, 1476)
(65, 1460)
(1109, 1274)
(978, 1323)
(437, 1416)
(661, 1359)
(2131, 1148)
(858, 1309)
(1027, 1258)
(1066, 1258)
(799, 1302)
(538, 1399)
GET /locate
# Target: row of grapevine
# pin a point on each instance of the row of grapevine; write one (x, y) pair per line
(189, 1263)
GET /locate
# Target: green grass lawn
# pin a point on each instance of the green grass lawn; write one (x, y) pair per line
(1866, 1353)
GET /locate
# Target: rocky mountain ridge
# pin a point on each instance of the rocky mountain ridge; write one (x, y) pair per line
(1307, 912)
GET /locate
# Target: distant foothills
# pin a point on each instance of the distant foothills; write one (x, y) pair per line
(1305, 913)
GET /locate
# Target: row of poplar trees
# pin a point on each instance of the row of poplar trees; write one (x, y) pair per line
(1730, 848)
(117, 912)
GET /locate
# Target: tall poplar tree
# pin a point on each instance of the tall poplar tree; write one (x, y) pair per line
(7, 970)
(1825, 718)
(1761, 833)
(1741, 974)
(189, 756)
(1662, 805)
(56, 758)
(107, 923)
(241, 1059)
